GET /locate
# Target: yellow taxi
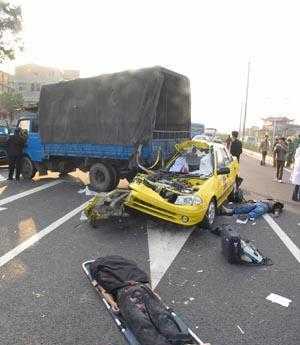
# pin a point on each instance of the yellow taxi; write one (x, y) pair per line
(188, 191)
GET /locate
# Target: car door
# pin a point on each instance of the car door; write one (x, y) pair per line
(225, 181)
(222, 180)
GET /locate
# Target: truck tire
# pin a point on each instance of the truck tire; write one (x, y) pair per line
(28, 170)
(116, 180)
(102, 177)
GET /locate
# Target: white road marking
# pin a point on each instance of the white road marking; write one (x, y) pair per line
(283, 236)
(274, 298)
(3, 208)
(38, 236)
(240, 329)
(28, 192)
(164, 245)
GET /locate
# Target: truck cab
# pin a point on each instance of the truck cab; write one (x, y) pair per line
(4, 134)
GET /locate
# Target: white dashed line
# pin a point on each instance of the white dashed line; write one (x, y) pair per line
(283, 236)
(28, 192)
(38, 236)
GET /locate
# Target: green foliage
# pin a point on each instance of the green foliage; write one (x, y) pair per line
(11, 101)
(10, 26)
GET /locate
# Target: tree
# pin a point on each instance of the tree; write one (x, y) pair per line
(10, 26)
(11, 102)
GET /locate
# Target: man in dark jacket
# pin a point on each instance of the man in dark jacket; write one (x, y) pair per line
(15, 146)
(280, 151)
(236, 146)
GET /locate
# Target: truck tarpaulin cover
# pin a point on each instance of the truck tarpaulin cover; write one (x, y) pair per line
(121, 108)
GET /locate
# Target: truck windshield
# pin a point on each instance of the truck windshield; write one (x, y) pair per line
(193, 162)
(3, 130)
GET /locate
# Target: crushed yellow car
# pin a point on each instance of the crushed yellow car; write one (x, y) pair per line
(188, 191)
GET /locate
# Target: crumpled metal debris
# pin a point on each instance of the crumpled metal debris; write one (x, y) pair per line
(107, 205)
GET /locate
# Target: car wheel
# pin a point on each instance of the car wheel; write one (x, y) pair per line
(210, 216)
(28, 169)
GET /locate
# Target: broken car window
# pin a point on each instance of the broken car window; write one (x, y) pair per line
(194, 162)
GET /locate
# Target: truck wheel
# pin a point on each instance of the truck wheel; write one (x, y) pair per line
(116, 180)
(28, 170)
(102, 177)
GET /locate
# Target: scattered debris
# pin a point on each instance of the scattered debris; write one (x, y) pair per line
(83, 216)
(240, 329)
(242, 221)
(274, 298)
(184, 282)
(87, 191)
(200, 271)
(217, 231)
(107, 205)
(191, 299)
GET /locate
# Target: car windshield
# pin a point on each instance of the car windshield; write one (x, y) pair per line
(194, 162)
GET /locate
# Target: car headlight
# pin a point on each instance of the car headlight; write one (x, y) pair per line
(188, 200)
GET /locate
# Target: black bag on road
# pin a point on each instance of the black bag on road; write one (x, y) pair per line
(231, 245)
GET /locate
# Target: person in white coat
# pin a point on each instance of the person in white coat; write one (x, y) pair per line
(295, 177)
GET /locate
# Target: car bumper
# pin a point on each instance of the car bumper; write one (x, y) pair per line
(152, 204)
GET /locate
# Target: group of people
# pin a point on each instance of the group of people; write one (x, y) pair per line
(285, 152)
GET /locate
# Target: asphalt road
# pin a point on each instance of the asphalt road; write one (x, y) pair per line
(46, 299)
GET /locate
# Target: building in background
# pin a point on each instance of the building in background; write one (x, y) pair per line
(30, 78)
(280, 126)
(6, 82)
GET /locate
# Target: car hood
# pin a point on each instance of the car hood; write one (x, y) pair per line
(167, 185)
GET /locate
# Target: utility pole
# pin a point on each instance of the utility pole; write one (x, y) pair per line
(241, 117)
(246, 101)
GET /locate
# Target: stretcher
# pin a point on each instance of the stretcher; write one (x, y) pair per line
(121, 322)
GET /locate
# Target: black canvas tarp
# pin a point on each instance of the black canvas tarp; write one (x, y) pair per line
(121, 108)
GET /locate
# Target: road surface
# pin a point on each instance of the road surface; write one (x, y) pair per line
(46, 299)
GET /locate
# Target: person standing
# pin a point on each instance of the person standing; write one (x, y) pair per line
(264, 148)
(290, 153)
(236, 147)
(15, 146)
(274, 155)
(297, 142)
(280, 151)
(295, 177)
(228, 142)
